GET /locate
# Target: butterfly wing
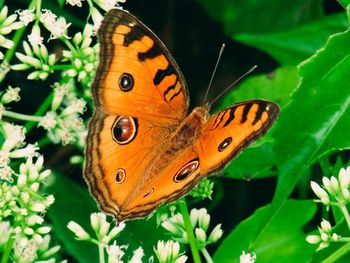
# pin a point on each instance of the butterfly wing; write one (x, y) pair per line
(221, 138)
(231, 130)
(136, 74)
(140, 96)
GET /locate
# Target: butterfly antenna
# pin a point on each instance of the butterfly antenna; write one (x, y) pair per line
(234, 83)
(212, 76)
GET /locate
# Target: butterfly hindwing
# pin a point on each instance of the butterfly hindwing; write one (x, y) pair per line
(231, 130)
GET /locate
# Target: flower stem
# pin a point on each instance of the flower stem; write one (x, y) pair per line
(61, 67)
(346, 214)
(101, 253)
(40, 112)
(206, 255)
(8, 248)
(20, 116)
(38, 9)
(189, 230)
(337, 254)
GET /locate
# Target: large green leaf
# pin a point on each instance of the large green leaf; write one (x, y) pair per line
(282, 240)
(295, 45)
(257, 160)
(251, 16)
(318, 107)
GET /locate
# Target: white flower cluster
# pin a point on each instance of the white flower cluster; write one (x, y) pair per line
(8, 96)
(325, 236)
(104, 234)
(333, 192)
(83, 58)
(96, 15)
(22, 204)
(247, 257)
(63, 121)
(200, 220)
(7, 25)
(36, 57)
(56, 25)
(333, 189)
(169, 251)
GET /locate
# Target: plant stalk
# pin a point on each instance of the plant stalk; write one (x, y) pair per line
(189, 230)
(338, 254)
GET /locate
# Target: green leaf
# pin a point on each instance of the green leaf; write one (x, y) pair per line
(257, 160)
(251, 16)
(317, 107)
(344, 3)
(293, 46)
(281, 240)
(338, 139)
(275, 86)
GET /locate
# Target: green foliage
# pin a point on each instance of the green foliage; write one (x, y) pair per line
(281, 240)
(249, 16)
(289, 47)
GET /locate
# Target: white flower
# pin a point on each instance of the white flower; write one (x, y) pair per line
(11, 94)
(48, 121)
(115, 231)
(326, 226)
(107, 4)
(77, 106)
(215, 234)
(320, 192)
(26, 16)
(203, 219)
(6, 43)
(60, 91)
(169, 252)
(75, 2)
(96, 18)
(47, 17)
(344, 177)
(14, 136)
(78, 231)
(200, 235)
(29, 151)
(137, 257)
(115, 253)
(58, 28)
(247, 258)
(24, 250)
(4, 158)
(35, 38)
(5, 231)
(313, 239)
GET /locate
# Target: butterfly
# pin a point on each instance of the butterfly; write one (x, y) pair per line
(143, 147)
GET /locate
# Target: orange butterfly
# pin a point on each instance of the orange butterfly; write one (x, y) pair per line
(143, 148)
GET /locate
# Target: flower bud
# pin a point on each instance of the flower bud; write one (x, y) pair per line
(78, 231)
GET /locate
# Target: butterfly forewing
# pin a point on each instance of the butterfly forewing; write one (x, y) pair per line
(138, 72)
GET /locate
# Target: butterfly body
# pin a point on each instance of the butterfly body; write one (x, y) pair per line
(143, 148)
